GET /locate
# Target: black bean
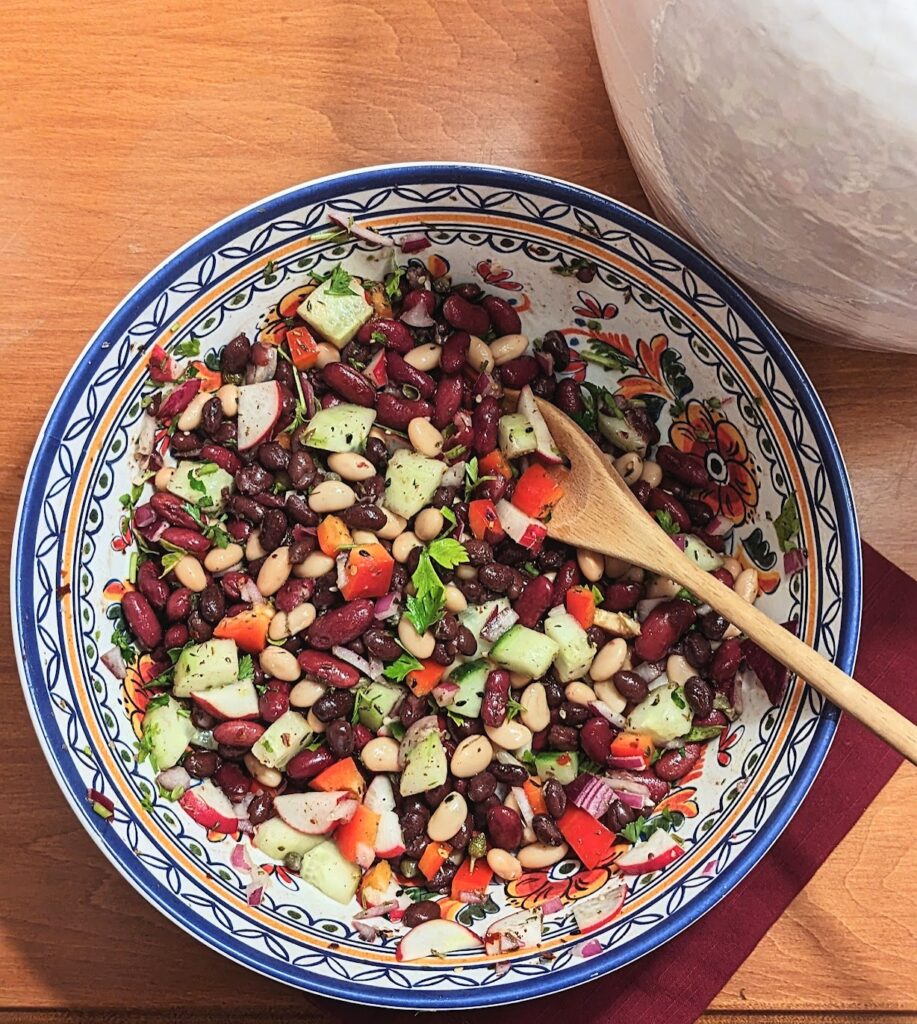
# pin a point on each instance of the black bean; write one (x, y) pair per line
(201, 764)
(261, 808)
(481, 786)
(339, 737)
(554, 693)
(699, 696)
(364, 517)
(563, 737)
(273, 456)
(495, 577)
(573, 714)
(467, 644)
(447, 628)
(301, 469)
(546, 831)
(630, 686)
(198, 628)
(381, 644)
(434, 797)
(555, 797)
(333, 703)
(479, 552)
(234, 356)
(252, 479)
(298, 510)
(212, 416)
(211, 603)
(511, 774)
(417, 913)
(273, 529)
(246, 508)
(697, 649)
(713, 625)
(376, 453)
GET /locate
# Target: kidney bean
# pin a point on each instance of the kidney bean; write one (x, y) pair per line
(323, 668)
(484, 422)
(713, 625)
(350, 384)
(519, 371)
(293, 593)
(400, 372)
(481, 786)
(201, 764)
(713, 718)
(563, 737)
(252, 479)
(273, 529)
(675, 764)
(534, 601)
(171, 508)
(377, 453)
(455, 349)
(631, 687)
(595, 738)
(697, 650)
(554, 344)
(641, 491)
(496, 698)
(546, 831)
(572, 713)
(273, 703)
(154, 589)
(664, 625)
(198, 628)
(397, 412)
(422, 910)
(178, 605)
(141, 619)
(622, 597)
(262, 806)
(689, 469)
(479, 552)
(502, 315)
(238, 733)
(246, 508)
(699, 511)
(699, 696)
(178, 400)
(233, 781)
(232, 582)
(466, 642)
(212, 416)
(297, 506)
(301, 470)
(555, 798)
(618, 816)
(235, 354)
(273, 456)
(568, 576)
(185, 442)
(395, 334)
(658, 788)
(464, 316)
(231, 753)
(544, 387)
(662, 501)
(364, 517)
(211, 603)
(726, 661)
(412, 709)
(223, 457)
(420, 296)
(201, 719)
(309, 763)
(188, 540)
(238, 530)
(447, 402)
(568, 397)
(442, 881)
(175, 636)
(469, 290)
(509, 774)
(341, 625)
(504, 826)
(267, 500)
(226, 434)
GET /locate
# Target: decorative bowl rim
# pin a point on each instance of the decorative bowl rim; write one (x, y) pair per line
(459, 173)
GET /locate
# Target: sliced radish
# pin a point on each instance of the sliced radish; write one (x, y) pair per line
(651, 854)
(521, 930)
(389, 838)
(315, 813)
(209, 806)
(259, 410)
(229, 702)
(380, 796)
(524, 530)
(377, 370)
(598, 910)
(545, 446)
(435, 938)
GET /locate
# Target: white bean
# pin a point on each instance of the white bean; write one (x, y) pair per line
(190, 574)
(421, 646)
(579, 693)
(222, 559)
(455, 599)
(661, 586)
(228, 395)
(607, 692)
(746, 586)
(630, 466)
(651, 473)
(615, 567)
(591, 564)
(163, 478)
(193, 412)
(503, 864)
(404, 544)
(510, 736)
(540, 855)
(280, 664)
(305, 693)
(274, 571)
(678, 670)
(331, 496)
(327, 353)
(381, 755)
(466, 572)
(424, 357)
(609, 659)
(363, 536)
(301, 617)
(315, 564)
(519, 679)
(253, 548)
(733, 566)
(261, 773)
(350, 466)
(394, 525)
(278, 629)
(314, 723)
(535, 713)
(428, 524)
(507, 348)
(448, 818)
(479, 356)
(425, 438)
(472, 755)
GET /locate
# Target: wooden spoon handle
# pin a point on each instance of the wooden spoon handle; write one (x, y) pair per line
(809, 665)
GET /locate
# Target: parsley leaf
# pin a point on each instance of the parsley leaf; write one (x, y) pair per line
(531, 568)
(189, 348)
(123, 640)
(393, 282)
(339, 282)
(513, 708)
(447, 552)
(170, 560)
(634, 831)
(398, 670)
(378, 337)
(685, 595)
(678, 697)
(787, 524)
(597, 595)
(471, 477)
(246, 667)
(157, 702)
(428, 603)
(665, 520)
(449, 516)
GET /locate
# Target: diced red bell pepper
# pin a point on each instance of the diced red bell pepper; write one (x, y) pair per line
(211, 380)
(368, 572)
(590, 840)
(471, 881)
(356, 838)
(433, 858)
(343, 774)
(333, 535)
(248, 628)
(495, 464)
(422, 680)
(303, 348)
(532, 789)
(537, 492)
(580, 602)
(633, 746)
(484, 521)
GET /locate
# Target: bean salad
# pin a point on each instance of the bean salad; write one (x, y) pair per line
(368, 657)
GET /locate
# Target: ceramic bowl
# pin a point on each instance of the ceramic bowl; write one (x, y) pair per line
(670, 329)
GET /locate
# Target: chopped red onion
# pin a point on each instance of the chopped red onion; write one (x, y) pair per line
(248, 591)
(649, 670)
(594, 797)
(552, 906)
(525, 806)
(454, 475)
(254, 894)
(95, 797)
(618, 721)
(474, 898)
(146, 437)
(341, 562)
(414, 243)
(367, 234)
(645, 606)
(114, 661)
(501, 967)
(794, 561)
(417, 316)
(622, 783)
(587, 949)
(358, 662)
(499, 621)
(632, 800)
(486, 386)
(308, 394)
(680, 540)
(379, 911)
(238, 858)
(173, 778)
(444, 693)
(628, 762)
(546, 362)
(386, 607)
(719, 526)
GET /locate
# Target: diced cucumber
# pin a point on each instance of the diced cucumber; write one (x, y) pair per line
(517, 435)
(575, 652)
(282, 740)
(275, 838)
(325, 868)
(410, 482)
(205, 666)
(663, 716)
(561, 766)
(475, 616)
(470, 679)
(342, 428)
(524, 650)
(201, 482)
(426, 766)
(705, 557)
(620, 432)
(375, 701)
(167, 731)
(337, 318)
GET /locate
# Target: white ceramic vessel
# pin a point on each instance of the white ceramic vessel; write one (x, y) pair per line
(781, 136)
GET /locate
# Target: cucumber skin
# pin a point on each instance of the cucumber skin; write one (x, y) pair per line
(325, 868)
(521, 649)
(342, 428)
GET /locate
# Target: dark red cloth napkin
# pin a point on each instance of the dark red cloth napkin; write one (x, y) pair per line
(677, 982)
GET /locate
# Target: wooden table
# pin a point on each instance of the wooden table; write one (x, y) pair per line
(128, 126)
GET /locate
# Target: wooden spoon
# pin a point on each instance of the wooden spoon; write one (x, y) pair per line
(598, 511)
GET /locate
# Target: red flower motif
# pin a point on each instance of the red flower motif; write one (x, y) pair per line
(705, 432)
(593, 309)
(497, 276)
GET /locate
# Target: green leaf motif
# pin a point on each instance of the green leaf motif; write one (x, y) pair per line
(673, 370)
(787, 525)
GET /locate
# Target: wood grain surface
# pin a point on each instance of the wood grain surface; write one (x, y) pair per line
(128, 126)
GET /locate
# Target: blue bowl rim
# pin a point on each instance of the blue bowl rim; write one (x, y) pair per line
(388, 175)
